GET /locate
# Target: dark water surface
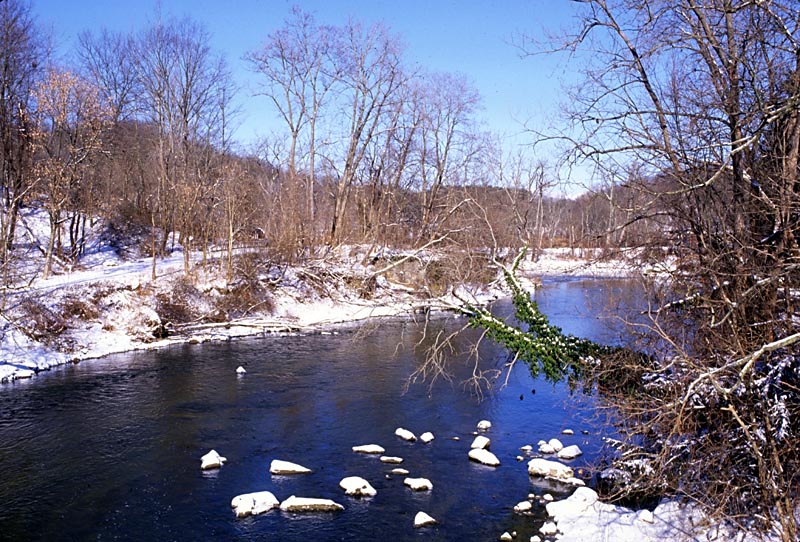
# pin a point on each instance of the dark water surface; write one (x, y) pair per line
(110, 449)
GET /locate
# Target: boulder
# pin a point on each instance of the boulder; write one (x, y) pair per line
(548, 529)
(480, 442)
(570, 452)
(484, 456)
(422, 519)
(484, 425)
(418, 484)
(522, 507)
(212, 460)
(357, 487)
(254, 503)
(391, 459)
(302, 504)
(506, 537)
(545, 448)
(527, 448)
(426, 437)
(369, 449)
(555, 444)
(405, 434)
(240, 370)
(400, 472)
(549, 469)
(285, 467)
(567, 432)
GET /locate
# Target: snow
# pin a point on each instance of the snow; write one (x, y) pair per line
(278, 466)
(253, 503)
(480, 442)
(357, 487)
(422, 519)
(583, 517)
(484, 456)
(120, 291)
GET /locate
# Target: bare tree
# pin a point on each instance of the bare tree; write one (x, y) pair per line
(68, 127)
(696, 102)
(182, 85)
(22, 52)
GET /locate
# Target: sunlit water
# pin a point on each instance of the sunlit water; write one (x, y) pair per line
(110, 449)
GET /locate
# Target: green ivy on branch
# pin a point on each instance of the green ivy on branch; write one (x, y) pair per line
(543, 346)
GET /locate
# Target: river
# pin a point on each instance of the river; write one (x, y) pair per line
(110, 449)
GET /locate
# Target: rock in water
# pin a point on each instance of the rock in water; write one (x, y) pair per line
(391, 459)
(240, 370)
(506, 537)
(555, 444)
(418, 484)
(549, 469)
(422, 519)
(253, 503)
(357, 487)
(405, 434)
(285, 467)
(522, 507)
(484, 425)
(368, 449)
(570, 452)
(480, 442)
(484, 456)
(545, 448)
(426, 437)
(302, 504)
(400, 472)
(212, 460)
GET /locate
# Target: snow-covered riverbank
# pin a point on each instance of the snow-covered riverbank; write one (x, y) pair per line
(111, 305)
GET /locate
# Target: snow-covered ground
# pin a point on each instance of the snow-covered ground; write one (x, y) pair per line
(106, 304)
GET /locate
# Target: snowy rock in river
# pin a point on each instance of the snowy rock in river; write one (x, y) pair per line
(400, 472)
(285, 467)
(483, 425)
(253, 503)
(418, 484)
(240, 370)
(391, 459)
(522, 507)
(212, 460)
(301, 504)
(357, 487)
(545, 448)
(556, 444)
(422, 519)
(426, 437)
(484, 456)
(567, 432)
(549, 469)
(506, 536)
(480, 442)
(405, 434)
(368, 449)
(570, 452)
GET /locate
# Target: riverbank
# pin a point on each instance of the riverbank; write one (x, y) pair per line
(112, 305)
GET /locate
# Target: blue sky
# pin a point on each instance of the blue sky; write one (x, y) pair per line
(469, 36)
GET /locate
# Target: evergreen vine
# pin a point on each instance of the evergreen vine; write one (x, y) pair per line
(543, 346)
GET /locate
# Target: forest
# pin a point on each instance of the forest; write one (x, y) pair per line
(688, 116)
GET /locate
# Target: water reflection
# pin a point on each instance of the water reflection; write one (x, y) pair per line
(109, 449)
